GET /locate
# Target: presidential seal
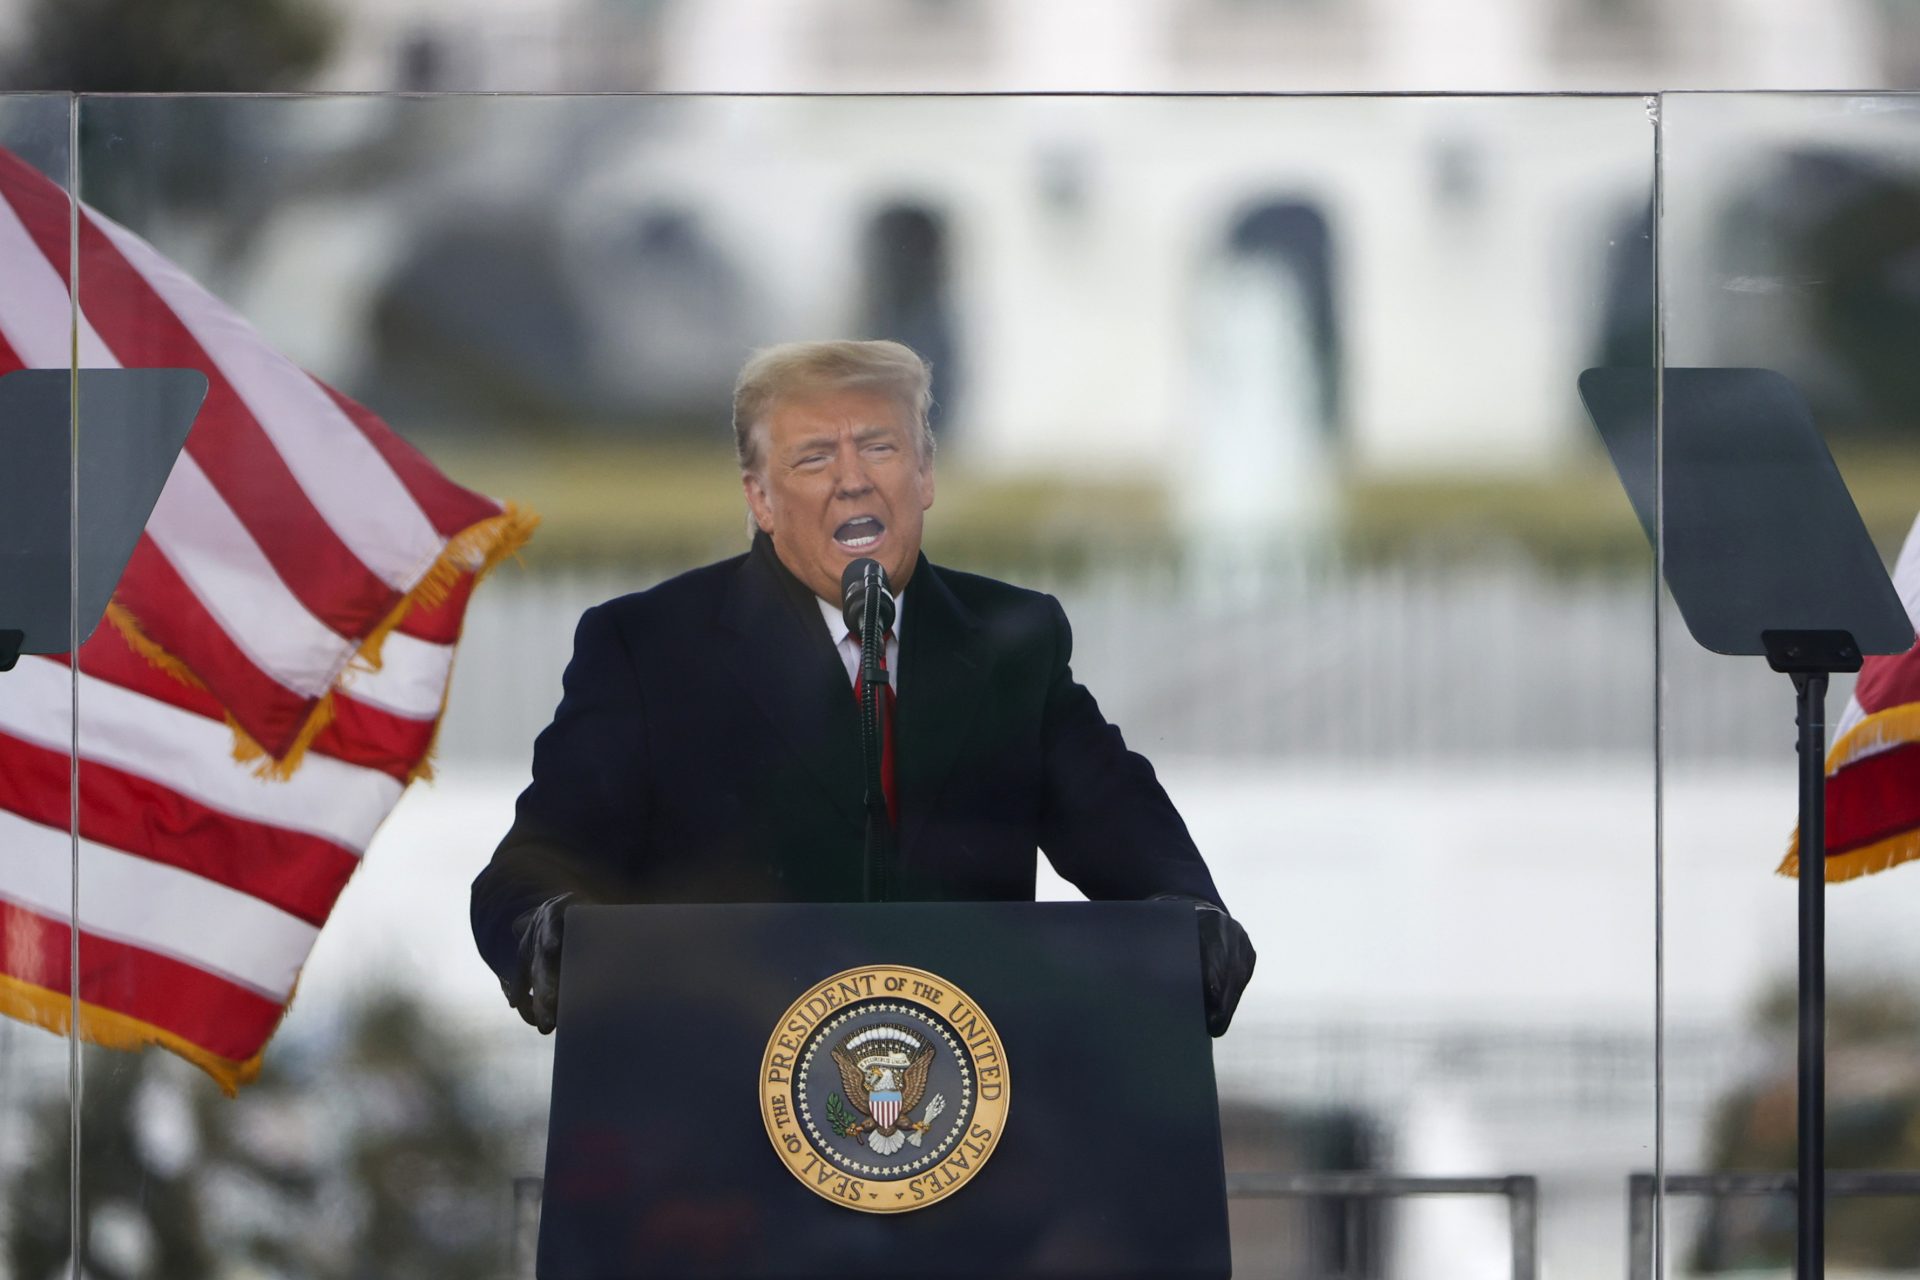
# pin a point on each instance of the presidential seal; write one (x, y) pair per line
(884, 1089)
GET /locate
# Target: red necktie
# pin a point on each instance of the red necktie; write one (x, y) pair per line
(886, 727)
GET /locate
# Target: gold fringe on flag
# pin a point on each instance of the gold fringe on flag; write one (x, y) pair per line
(1881, 731)
(245, 748)
(1896, 726)
(53, 1010)
(279, 769)
(475, 550)
(141, 643)
(489, 547)
(1863, 861)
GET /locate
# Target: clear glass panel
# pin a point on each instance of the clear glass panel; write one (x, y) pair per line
(36, 702)
(1277, 396)
(1787, 245)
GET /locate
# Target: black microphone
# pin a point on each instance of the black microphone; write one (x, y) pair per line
(862, 585)
(859, 578)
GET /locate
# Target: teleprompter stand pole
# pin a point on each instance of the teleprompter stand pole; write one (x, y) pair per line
(1809, 657)
(1810, 1192)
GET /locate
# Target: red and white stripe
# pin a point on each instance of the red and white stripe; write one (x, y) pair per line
(293, 527)
(1873, 765)
(1885, 681)
(295, 522)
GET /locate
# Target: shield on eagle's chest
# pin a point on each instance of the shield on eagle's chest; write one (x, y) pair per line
(885, 1105)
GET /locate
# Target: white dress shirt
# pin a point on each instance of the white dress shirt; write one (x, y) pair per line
(847, 642)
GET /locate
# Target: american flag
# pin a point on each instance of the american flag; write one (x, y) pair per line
(1873, 766)
(273, 673)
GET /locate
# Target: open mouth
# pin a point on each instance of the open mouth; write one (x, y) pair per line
(859, 533)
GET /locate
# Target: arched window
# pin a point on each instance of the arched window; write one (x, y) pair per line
(1265, 382)
(1292, 238)
(905, 272)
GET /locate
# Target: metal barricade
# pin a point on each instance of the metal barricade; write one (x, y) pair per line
(1522, 1193)
(524, 1244)
(1840, 1182)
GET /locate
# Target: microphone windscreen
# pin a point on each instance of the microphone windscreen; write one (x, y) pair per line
(854, 581)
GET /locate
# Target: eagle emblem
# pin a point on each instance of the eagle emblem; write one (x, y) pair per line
(873, 1059)
(884, 1072)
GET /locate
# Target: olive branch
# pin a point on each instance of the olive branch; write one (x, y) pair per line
(840, 1119)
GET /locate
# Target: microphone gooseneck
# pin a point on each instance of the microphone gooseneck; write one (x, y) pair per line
(867, 604)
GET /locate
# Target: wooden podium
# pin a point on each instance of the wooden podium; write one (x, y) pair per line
(928, 1089)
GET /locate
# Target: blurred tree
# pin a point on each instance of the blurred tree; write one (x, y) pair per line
(189, 155)
(376, 1160)
(171, 46)
(1825, 243)
(164, 1237)
(1873, 1122)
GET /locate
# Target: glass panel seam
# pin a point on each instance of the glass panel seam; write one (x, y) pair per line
(1656, 110)
(74, 1082)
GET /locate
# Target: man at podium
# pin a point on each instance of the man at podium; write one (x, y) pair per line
(706, 747)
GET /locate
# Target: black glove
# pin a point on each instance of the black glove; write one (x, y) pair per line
(1226, 959)
(536, 992)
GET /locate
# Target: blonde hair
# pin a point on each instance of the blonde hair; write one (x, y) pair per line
(772, 374)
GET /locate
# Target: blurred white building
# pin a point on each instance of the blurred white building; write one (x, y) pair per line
(1169, 46)
(1428, 277)
(1245, 299)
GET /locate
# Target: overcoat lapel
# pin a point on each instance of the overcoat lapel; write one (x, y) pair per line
(944, 666)
(782, 656)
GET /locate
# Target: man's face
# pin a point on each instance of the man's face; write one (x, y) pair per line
(841, 477)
